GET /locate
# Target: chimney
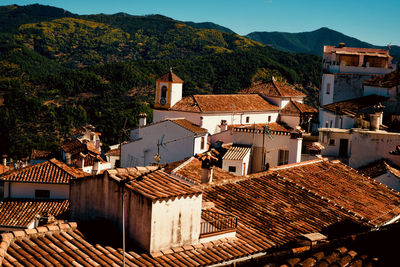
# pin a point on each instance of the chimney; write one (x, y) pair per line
(341, 45)
(142, 119)
(4, 160)
(68, 158)
(224, 126)
(207, 163)
(374, 120)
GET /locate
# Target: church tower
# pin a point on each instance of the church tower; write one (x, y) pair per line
(168, 90)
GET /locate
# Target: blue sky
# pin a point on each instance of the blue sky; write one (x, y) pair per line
(373, 21)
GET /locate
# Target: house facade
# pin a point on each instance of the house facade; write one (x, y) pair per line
(163, 142)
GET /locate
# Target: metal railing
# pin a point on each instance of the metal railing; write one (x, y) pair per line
(213, 222)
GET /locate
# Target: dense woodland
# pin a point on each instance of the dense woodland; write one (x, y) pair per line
(59, 70)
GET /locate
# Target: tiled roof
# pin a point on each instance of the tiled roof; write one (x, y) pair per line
(273, 128)
(51, 171)
(345, 187)
(386, 81)
(153, 183)
(81, 130)
(297, 108)
(3, 168)
(224, 103)
(357, 105)
(380, 167)
(113, 152)
(191, 170)
(41, 154)
(21, 212)
(356, 50)
(170, 77)
(73, 147)
(272, 88)
(236, 152)
(272, 209)
(189, 126)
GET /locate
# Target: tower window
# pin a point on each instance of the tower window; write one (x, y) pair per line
(269, 118)
(164, 92)
(328, 88)
(247, 119)
(202, 143)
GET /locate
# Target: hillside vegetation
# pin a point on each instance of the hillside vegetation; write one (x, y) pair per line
(57, 71)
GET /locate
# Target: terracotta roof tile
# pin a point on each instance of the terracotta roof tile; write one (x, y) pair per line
(21, 212)
(357, 105)
(386, 81)
(380, 167)
(224, 103)
(346, 188)
(3, 168)
(273, 128)
(51, 171)
(153, 183)
(272, 88)
(189, 126)
(297, 108)
(355, 50)
(237, 152)
(170, 77)
(73, 147)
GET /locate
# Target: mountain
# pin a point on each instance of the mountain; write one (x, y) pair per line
(59, 70)
(312, 42)
(209, 25)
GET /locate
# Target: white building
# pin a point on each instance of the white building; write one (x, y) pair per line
(237, 160)
(169, 140)
(384, 172)
(346, 68)
(271, 145)
(209, 111)
(359, 147)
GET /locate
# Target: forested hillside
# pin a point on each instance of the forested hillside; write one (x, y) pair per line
(59, 72)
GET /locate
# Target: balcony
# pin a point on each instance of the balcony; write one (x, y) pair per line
(215, 225)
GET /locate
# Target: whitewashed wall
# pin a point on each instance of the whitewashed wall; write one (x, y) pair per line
(343, 121)
(290, 120)
(175, 222)
(387, 92)
(324, 97)
(27, 190)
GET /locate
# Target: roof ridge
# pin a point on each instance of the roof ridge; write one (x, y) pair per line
(57, 163)
(182, 165)
(197, 103)
(7, 238)
(276, 87)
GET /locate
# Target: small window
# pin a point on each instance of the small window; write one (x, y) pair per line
(1, 189)
(232, 169)
(42, 193)
(328, 88)
(283, 157)
(331, 142)
(247, 119)
(202, 143)
(269, 118)
(164, 92)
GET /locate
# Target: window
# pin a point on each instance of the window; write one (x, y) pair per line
(232, 169)
(283, 157)
(42, 193)
(328, 88)
(1, 189)
(247, 119)
(269, 118)
(202, 143)
(164, 92)
(331, 142)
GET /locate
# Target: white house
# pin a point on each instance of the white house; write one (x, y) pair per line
(359, 147)
(271, 145)
(346, 68)
(350, 113)
(237, 160)
(164, 141)
(276, 92)
(384, 172)
(209, 111)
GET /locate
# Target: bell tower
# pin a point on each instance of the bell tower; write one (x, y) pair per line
(168, 90)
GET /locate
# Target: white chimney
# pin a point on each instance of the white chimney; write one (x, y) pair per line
(374, 120)
(224, 126)
(142, 119)
(68, 158)
(206, 175)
